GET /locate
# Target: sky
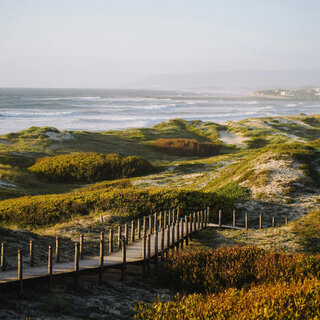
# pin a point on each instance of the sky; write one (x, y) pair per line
(112, 43)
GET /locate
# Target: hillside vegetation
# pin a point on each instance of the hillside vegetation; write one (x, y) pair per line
(90, 167)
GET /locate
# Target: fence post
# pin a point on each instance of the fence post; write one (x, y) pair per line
(119, 237)
(31, 253)
(110, 240)
(3, 256)
(160, 220)
(164, 219)
(132, 231)
(208, 214)
(49, 268)
(76, 264)
(178, 233)
(169, 217)
(168, 239)
(187, 229)
(145, 226)
(101, 261)
(220, 218)
(260, 221)
(81, 246)
(173, 236)
(194, 222)
(20, 273)
(139, 229)
(246, 221)
(148, 254)
(124, 261)
(273, 222)
(234, 218)
(182, 233)
(201, 219)
(150, 224)
(156, 249)
(178, 213)
(126, 233)
(162, 244)
(57, 250)
(199, 222)
(144, 256)
(155, 223)
(191, 225)
(285, 220)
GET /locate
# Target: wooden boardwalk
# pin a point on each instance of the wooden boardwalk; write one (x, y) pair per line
(158, 234)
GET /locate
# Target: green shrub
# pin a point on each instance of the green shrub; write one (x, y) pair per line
(187, 147)
(90, 167)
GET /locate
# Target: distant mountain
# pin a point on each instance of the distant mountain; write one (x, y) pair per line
(236, 79)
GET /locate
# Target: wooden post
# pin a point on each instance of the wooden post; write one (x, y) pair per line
(139, 228)
(110, 240)
(49, 268)
(205, 221)
(57, 253)
(273, 222)
(201, 219)
(102, 236)
(285, 220)
(191, 225)
(194, 222)
(178, 213)
(178, 234)
(20, 273)
(155, 223)
(145, 227)
(164, 219)
(220, 218)
(162, 244)
(148, 254)
(144, 256)
(187, 229)
(101, 256)
(208, 214)
(234, 218)
(173, 236)
(246, 221)
(260, 221)
(126, 235)
(132, 231)
(124, 260)
(119, 237)
(150, 224)
(76, 264)
(182, 233)
(101, 219)
(3, 256)
(81, 246)
(31, 253)
(169, 217)
(168, 239)
(199, 222)
(160, 220)
(156, 249)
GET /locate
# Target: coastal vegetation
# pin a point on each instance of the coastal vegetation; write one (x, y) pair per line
(90, 167)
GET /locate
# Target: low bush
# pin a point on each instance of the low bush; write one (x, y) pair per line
(282, 301)
(90, 167)
(187, 147)
(44, 210)
(234, 267)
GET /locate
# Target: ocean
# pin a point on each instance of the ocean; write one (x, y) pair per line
(102, 109)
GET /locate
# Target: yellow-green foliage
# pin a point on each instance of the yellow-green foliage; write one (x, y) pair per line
(90, 167)
(239, 283)
(282, 301)
(236, 267)
(49, 209)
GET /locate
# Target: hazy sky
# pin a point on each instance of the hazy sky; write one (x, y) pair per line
(108, 43)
